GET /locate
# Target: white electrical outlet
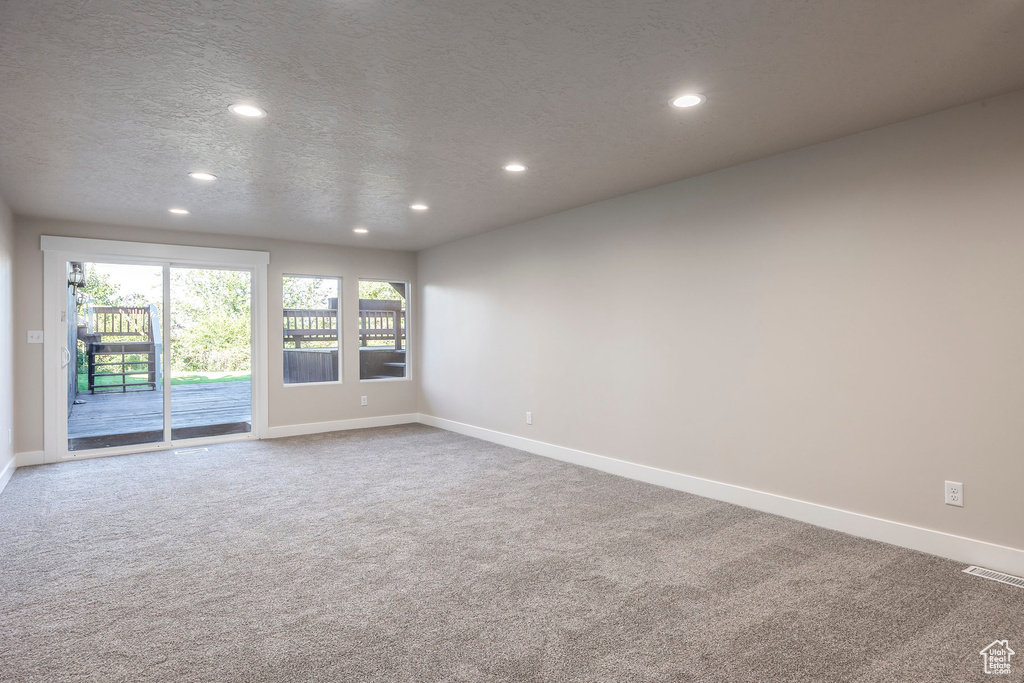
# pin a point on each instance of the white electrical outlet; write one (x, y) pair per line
(363, 401)
(35, 336)
(529, 418)
(955, 493)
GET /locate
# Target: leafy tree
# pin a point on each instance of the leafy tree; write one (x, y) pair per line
(211, 328)
(195, 292)
(100, 291)
(379, 291)
(308, 292)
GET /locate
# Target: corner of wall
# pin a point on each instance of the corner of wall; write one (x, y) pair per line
(7, 463)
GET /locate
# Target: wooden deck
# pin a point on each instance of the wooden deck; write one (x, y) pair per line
(136, 417)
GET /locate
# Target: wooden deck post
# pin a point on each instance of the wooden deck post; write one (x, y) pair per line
(151, 356)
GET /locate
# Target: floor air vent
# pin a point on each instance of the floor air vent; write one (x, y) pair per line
(995, 576)
(189, 451)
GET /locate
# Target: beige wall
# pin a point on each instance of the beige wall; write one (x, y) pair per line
(288, 406)
(6, 334)
(843, 324)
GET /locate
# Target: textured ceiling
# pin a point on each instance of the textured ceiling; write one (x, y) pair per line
(105, 105)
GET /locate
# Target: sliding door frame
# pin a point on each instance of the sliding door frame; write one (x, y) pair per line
(58, 251)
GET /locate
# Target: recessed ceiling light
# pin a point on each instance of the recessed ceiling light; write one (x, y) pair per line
(691, 99)
(200, 175)
(514, 168)
(361, 231)
(180, 212)
(418, 207)
(247, 110)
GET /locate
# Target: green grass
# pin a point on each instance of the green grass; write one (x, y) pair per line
(176, 378)
(209, 377)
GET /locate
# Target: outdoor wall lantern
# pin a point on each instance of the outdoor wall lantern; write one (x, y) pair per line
(76, 278)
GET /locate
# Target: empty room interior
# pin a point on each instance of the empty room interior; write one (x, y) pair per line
(382, 340)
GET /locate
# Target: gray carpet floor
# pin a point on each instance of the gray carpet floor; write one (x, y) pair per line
(413, 554)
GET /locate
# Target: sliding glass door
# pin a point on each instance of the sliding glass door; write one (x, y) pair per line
(156, 352)
(114, 355)
(211, 352)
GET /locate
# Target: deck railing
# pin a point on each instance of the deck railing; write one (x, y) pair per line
(122, 343)
(121, 321)
(379, 321)
(309, 325)
(381, 325)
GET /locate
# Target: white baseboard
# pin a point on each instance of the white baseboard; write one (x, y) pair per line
(38, 458)
(959, 548)
(7, 471)
(29, 458)
(340, 425)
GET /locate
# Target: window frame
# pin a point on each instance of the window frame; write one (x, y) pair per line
(341, 334)
(408, 330)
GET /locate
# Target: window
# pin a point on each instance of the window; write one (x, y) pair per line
(311, 329)
(382, 329)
